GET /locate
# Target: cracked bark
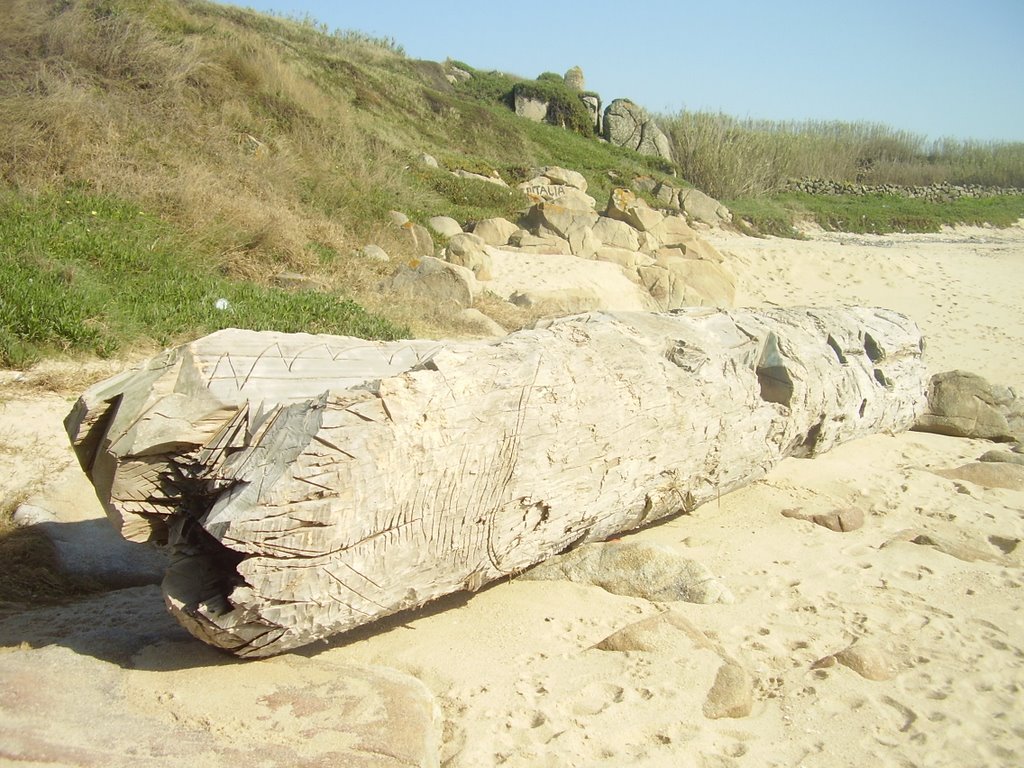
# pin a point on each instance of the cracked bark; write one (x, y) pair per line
(312, 484)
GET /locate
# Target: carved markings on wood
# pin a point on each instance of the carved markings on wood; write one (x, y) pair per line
(310, 485)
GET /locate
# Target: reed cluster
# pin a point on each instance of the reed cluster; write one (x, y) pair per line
(730, 158)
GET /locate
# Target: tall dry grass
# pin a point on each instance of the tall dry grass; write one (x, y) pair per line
(731, 158)
(718, 155)
(225, 131)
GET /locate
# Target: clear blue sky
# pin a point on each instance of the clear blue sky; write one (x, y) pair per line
(938, 68)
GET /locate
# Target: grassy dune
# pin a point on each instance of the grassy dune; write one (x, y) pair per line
(220, 147)
(156, 155)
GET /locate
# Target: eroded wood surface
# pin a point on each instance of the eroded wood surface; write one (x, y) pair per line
(312, 484)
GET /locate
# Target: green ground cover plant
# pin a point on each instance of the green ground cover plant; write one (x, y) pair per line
(877, 214)
(88, 273)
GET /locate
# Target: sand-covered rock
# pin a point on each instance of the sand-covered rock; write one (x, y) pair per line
(963, 547)
(964, 404)
(868, 660)
(839, 520)
(988, 474)
(638, 570)
(672, 635)
(731, 695)
(668, 632)
(168, 703)
(1004, 457)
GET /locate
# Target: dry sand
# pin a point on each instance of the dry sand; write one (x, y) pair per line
(514, 667)
(964, 287)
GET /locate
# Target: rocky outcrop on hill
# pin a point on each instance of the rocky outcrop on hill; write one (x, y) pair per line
(529, 106)
(691, 201)
(658, 260)
(563, 101)
(549, 99)
(592, 102)
(628, 125)
(658, 251)
(574, 79)
(622, 123)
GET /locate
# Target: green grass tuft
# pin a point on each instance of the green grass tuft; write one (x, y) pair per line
(89, 273)
(874, 214)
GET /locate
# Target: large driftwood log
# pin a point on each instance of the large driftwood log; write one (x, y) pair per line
(311, 484)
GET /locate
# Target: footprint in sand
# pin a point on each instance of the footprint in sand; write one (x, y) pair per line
(908, 716)
(597, 697)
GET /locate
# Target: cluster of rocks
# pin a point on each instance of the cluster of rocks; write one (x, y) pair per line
(622, 123)
(657, 249)
(539, 110)
(962, 404)
(937, 193)
(690, 200)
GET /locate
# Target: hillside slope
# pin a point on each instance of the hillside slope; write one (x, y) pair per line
(255, 144)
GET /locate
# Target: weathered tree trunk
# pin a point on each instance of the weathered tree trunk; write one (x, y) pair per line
(311, 484)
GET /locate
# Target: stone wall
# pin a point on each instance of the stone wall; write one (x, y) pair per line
(940, 193)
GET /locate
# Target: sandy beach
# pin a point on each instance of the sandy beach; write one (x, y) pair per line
(530, 689)
(928, 592)
(962, 286)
